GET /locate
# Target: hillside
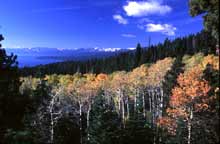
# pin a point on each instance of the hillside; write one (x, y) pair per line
(127, 107)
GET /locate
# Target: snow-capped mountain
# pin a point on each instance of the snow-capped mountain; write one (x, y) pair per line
(43, 55)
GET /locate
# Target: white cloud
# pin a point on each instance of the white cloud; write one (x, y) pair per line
(163, 28)
(128, 35)
(120, 19)
(145, 8)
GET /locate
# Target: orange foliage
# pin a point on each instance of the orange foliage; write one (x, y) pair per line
(168, 123)
(191, 93)
(191, 87)
(203, 107)
(176, 112)
(101, 77)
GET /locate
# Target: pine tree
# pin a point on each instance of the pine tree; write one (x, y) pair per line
(12, 104)
(170, 79)
(104, 122)
(137, 130)
(210, 9)
(138, 55)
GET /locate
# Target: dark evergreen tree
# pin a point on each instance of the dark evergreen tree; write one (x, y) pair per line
(137, 131)
(170, 80)
(210, 9)
(12, 103)
(138, 54)
(67, 132)
(104, 122)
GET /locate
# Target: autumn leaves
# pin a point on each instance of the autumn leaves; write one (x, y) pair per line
(192, 103)
(191, 94)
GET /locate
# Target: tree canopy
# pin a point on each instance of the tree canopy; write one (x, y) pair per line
(210, 11)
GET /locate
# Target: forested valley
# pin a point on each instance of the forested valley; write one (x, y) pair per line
(157, 94)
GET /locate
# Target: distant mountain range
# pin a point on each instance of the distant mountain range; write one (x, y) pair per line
(43, 55)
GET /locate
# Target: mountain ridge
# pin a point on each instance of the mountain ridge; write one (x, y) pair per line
(44, 55)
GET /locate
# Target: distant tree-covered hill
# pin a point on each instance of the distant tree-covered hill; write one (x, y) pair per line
(200, 42)
(30, 57)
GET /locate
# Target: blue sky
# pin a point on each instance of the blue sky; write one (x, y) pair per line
(94, 23)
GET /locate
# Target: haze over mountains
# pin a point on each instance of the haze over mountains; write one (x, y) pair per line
(43, 55)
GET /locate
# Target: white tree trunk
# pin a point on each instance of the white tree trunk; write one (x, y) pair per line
(53, 115)
(143, 99)
(161, 102)
(80, 121)
(119, 102)
(88, 114)
(51, 119)
(123, 110)
(189, 125)
(153, 106)
(157, 101)
(135, 101)
(128, 110)
(149, 97)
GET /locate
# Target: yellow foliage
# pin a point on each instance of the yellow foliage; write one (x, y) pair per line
(212, 60)
(157, 71)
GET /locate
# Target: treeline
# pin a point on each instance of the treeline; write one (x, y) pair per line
(95, 109)
(125, 107)
(200, 42)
